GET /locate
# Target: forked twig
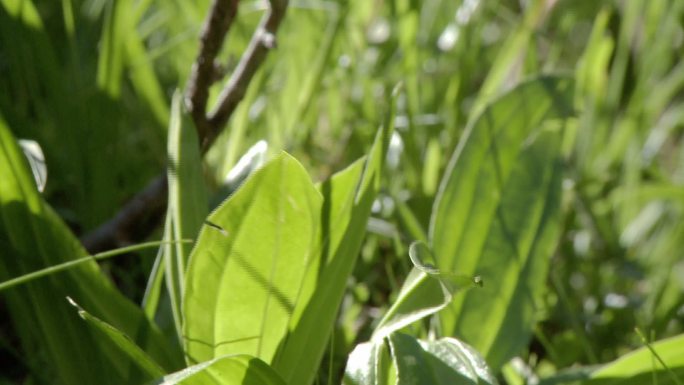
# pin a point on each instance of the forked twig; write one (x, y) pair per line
(150, 203)
(221, 16)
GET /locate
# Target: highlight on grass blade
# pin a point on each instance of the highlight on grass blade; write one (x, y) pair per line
(96, 257)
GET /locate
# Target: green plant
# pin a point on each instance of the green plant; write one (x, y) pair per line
(531, 158)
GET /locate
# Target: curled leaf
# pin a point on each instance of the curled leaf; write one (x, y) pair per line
(426, 291)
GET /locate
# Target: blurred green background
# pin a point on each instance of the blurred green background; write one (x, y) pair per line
(91, 81)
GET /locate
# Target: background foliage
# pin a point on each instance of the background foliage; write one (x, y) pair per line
(92, 81)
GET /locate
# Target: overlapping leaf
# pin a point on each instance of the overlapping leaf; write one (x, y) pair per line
(33, 237)
(416, 362)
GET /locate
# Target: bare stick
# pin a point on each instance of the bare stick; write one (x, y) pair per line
(234, 91)
(143, 212)
(130, 224)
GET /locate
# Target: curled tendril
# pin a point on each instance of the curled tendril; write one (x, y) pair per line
(423, 259)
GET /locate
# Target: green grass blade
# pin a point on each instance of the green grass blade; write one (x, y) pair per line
(314, 70)
(172, 273)
(153, 289)
(122, 49)
(655, 354)
(121, 341)
(188, 204)
(409, 220)
(187, 193)
(67, 265)
(144, 79)
(110, 66)
(505, 71)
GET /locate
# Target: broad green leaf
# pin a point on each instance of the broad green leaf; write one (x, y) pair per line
(245, 274)
(33, 237)
(426, 291)
(369, 364)
(237, 369)
(121, 341)
(348, 197)
(442, 362)
(188, 204)
(642, 367)
(416, 362)
(496, 215)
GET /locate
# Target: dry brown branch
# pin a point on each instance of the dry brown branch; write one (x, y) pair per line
(148, 206)
(262, 41)
(221, 16)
